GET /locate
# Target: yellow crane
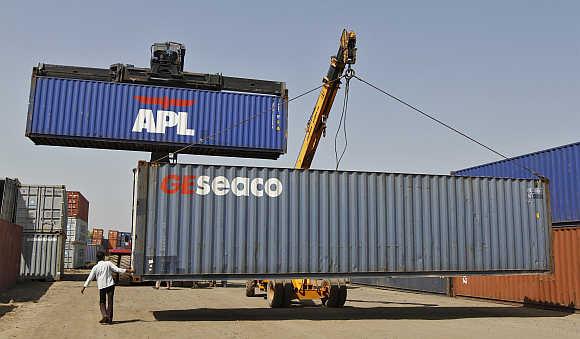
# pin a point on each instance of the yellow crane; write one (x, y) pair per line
(331, 293)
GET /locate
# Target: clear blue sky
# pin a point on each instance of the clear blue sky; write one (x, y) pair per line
(507, 72)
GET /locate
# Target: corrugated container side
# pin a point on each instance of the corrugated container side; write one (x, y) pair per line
(561, 165)
(91, 253)
(41, 208)
(10, 248)
(82, 113)
(77, 230)
(8, 198)
(42, 256)
(74, 255)
(78, 206)
(233, 222)
(439, 285)
(562, 288)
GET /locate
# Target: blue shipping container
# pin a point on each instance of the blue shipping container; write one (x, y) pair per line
(561, 165)
(95, 114)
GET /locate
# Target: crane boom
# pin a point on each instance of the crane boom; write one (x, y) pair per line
(316, 127)
(332, 294)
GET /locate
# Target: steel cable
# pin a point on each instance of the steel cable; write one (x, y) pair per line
(446, 125)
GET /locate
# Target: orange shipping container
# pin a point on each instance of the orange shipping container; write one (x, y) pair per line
(562, 288)
(78, 206)
(113, 234)
(97, 236)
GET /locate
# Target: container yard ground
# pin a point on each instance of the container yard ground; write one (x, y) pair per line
(142, 312)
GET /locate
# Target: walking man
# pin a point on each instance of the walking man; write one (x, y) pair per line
(103, 272)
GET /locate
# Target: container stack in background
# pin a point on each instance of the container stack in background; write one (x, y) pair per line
(113, 239)
(77, 231)
(41, 210)
(124, 240)
(95, 243)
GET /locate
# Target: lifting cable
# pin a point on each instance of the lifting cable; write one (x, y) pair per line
(349, 74)
(446, 125)
(241, 122)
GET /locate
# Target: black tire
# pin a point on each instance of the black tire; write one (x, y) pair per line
(250, 288)
(343, 294)
(289, 294)
(333, 296)
(275, 294)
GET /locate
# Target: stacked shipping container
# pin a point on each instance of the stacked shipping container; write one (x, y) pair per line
(78, 206)
(41, 210)
(113, 239)
(76, 240)
(558, 289)
(562, 288)
(124, 240)
(42, 256)
(97, 236)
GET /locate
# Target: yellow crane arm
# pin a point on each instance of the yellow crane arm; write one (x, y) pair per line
(316, 127)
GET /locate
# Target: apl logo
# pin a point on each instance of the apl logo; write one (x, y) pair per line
(158, 123)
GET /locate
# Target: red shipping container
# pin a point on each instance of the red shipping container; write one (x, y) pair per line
(561, 288)
(78, 206)
(10, 248)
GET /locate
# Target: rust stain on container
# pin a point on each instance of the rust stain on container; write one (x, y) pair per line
(561, 288)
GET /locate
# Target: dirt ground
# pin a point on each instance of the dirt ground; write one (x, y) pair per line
(58, 310)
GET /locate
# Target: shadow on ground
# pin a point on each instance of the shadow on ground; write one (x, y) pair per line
(5, 309)
(352, 313)
(77, 276)
(25, 291)
(391, 302)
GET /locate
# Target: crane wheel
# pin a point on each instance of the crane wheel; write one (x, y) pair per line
(334, 296)
(288, 294)
(275, 294)
(343, 295)
(250, 288)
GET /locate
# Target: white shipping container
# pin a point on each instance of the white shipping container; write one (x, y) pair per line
(42, 256)
(77, 230)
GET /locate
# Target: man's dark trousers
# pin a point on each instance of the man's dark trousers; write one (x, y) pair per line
(106, 302)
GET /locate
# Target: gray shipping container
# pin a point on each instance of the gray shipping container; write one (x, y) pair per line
(74, 254)
(91, 253)
(8, 197)
(42, 208)
(42, 256)
(200, 221)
